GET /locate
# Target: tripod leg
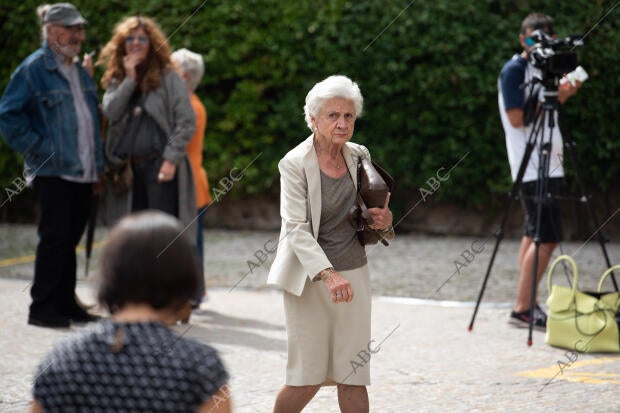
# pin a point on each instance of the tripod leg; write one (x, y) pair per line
(542, 185)
(533, 292)
(540, 193)
(498, 238)
(570, 146)
(499, 235)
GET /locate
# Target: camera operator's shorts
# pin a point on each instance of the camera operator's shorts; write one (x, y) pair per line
(550, 220)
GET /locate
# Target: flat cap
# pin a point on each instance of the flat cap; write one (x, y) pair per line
(65, 14)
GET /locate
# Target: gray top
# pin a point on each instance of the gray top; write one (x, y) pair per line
(86, 141)
(337, 235)
(170, 107)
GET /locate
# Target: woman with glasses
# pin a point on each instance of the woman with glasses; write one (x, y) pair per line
(150, 119)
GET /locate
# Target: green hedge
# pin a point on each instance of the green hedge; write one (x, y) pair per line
(427, 70)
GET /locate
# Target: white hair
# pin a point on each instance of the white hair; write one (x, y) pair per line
(332, 87)
(41, 12)
(190, 64)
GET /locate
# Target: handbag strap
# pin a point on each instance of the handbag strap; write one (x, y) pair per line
(609, 271)
(364, 210)
(556, 262)
(597, 332)
(138, 99)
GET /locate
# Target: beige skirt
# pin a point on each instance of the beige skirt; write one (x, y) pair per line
(327, 342)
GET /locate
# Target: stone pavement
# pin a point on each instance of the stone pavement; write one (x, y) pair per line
(439, 268)
(425, 359)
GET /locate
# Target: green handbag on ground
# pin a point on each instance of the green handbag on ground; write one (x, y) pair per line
(582, 321)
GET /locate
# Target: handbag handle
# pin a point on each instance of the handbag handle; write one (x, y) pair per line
(609, 271)
(556, 262)
(364, 212)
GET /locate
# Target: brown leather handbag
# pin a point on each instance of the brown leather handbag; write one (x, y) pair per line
(373, 185)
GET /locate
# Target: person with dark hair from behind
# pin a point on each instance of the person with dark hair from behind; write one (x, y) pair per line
(133, 361)
(513, 100)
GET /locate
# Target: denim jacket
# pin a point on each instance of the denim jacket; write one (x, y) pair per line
(38, 119)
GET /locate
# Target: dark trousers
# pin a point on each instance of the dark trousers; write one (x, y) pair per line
(551, 211)
(147, 193)
(64, 208)
(200, 219)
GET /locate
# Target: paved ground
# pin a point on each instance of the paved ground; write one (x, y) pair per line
(427, 360)
(441, 268)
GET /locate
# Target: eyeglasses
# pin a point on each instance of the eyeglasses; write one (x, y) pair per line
(141, 39)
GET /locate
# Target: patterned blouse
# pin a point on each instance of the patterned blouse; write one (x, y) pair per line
(128, 367)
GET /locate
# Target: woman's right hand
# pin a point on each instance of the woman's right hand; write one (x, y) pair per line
(339, 288)
(130, 62)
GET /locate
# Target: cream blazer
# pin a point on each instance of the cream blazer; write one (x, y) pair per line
(299, 255)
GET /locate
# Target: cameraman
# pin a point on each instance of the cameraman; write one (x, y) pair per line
(518, 107)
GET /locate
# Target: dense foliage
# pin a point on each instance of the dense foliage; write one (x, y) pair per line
(428, 71)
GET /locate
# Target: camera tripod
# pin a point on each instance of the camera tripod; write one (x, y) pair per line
(548, 110)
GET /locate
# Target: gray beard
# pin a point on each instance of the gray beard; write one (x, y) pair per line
(68, 51)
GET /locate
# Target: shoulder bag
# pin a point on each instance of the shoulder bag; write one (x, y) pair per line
(119, 172)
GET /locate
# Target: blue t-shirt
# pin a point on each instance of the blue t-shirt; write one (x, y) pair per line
(511, 78)
(516, 90)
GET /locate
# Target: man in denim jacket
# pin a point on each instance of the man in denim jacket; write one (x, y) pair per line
(48, 113)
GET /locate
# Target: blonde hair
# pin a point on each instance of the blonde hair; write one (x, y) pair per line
(150, 71)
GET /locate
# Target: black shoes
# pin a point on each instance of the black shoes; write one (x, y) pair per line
(53, 319)
(522, 319)
(79, 315)
(82, 316)
(49, 320)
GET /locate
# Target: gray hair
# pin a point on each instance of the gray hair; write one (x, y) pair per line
(190, 63)
(41, 12)
(332, 87)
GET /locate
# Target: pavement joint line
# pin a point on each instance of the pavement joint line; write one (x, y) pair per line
(26, 259)
(420, 369)
(448, 304)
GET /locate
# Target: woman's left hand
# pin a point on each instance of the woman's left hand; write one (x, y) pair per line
(166, 172)
(381, 217)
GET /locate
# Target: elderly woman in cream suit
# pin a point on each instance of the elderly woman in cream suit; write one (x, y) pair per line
(320, 264)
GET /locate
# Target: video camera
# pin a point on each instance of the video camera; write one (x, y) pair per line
(546, 55)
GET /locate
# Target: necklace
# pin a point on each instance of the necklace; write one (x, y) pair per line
(319, 151)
